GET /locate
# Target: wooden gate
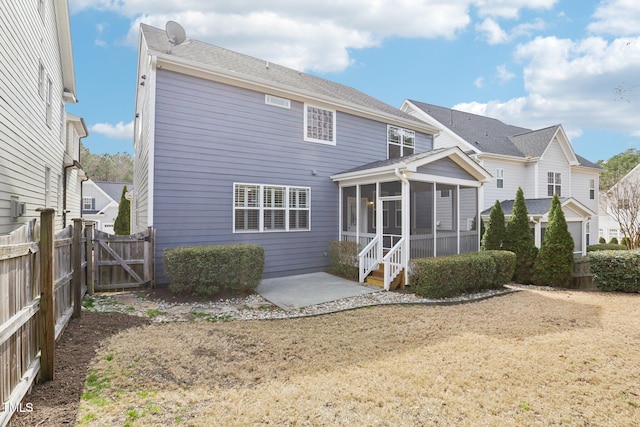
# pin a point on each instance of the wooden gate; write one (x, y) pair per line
(123, 261)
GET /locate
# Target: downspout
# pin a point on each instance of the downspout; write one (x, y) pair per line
(74, 165)
(406, 230)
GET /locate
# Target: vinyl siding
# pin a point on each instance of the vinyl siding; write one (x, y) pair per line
(28, 144)
(445, 168)
(515, 175)
(209, 136)
(142, 140)
(553, 160)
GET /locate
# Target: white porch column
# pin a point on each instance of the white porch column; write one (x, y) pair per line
(340, 214)
(406, 227)
(435, 222)
(358, 225)
(458, 217)
(379, 221)
(538, 233)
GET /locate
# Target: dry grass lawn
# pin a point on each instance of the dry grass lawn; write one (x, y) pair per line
(529, 358)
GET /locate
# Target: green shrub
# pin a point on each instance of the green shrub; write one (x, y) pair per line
(459, 274)
(554, 264)
(613, 241)
(494, 236)
(616, 270)
(519, 240)
(343, 259)
(602, 240)
(208, 270)
(606, 247)
(626, 242)
(121, 225)
(505, 264)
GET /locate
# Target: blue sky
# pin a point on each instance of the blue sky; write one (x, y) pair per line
(530, 63)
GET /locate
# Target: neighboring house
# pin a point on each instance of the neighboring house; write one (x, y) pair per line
(609, 227)
(39, 154)
(540, 161)
(100, 202)
(233, 149)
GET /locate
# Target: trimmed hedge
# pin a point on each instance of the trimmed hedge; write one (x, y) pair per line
(616, 270)
(343, 257)
(459, 274)
(606, 247)
(208, 270)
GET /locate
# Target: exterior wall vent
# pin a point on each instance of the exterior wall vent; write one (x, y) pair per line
(277, 102)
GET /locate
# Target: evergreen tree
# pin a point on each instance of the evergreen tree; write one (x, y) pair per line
(554, 264)
(493, 237)
(519, 240)
(122, 224)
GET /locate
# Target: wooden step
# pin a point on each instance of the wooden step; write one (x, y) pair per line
(376, 278)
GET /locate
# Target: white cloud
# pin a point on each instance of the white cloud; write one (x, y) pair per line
(120, 130)
(572, 83)
(617, 17)
(100, 43)
(492, 31)
(479, 82)
(510, 9)
(503, 74)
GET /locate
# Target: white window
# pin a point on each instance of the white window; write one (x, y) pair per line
(320, 125)
(49, 100)
(277, 101)
(499, 178)
(592, 189)
(400, 142)
(87, 203)
(260, 208)
(41, 78)
(41, 8)
(554, 184)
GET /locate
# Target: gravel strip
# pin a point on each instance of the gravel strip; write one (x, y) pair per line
(255, 307)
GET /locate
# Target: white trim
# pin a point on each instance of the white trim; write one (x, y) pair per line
(306, 136)
(277, 101)
(151, 140)
(260, 208)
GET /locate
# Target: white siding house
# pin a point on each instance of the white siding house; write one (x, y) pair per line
(100, 202)
(627, 187)
(542, 162)
(38, 139)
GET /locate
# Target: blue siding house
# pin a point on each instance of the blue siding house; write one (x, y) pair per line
(234, 149)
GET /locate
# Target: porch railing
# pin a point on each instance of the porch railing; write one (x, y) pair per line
(368, 258)
(393, 263)
(364, 240)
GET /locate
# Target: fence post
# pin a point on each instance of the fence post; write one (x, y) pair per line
(47, 307)
(88, 231)
(149, 254)
(76, 279)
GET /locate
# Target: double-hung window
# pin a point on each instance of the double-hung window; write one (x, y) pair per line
(554, 184)
(592, 189)
(87, 203)
(499, 178)
(264, 208)
(400, 142)
(319, 125)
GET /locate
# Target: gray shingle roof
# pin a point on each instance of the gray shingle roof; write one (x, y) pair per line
(534, 206)
(114, 189)
(493, 136)
(256, 69)
(396, 161)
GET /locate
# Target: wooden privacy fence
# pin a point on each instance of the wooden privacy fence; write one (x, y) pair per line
(42, 279)
(123, 261)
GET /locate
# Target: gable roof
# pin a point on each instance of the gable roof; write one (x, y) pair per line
(412, 162)
(246, 69)
(541, 207)
(489, 135)
(113, 189)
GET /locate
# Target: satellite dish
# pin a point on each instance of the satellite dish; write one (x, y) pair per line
(175, 33)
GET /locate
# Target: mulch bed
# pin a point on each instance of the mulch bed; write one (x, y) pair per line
(55, 403)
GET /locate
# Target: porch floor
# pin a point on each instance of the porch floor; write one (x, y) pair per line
(304, 290)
